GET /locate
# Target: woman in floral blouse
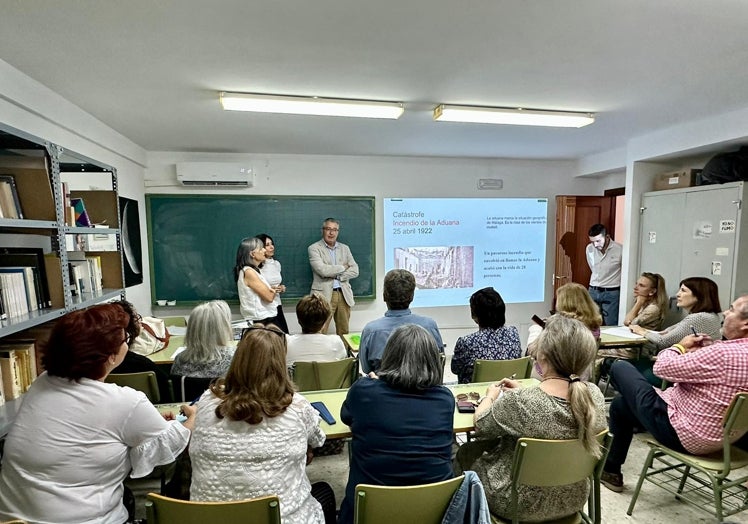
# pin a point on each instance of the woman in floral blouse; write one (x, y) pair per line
(492, 341)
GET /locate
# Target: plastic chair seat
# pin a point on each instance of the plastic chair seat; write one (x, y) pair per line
(489, 370)
(420, 504)
(315, 376)
(165, 510)
(702, 480)
(144, 381)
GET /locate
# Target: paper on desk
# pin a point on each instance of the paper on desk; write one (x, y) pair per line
(178, 331)
(178, 351)
(620, 331)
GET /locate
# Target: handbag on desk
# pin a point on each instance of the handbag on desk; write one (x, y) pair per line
(153, 336)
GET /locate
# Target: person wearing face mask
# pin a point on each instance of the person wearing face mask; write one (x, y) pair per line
(256, 295)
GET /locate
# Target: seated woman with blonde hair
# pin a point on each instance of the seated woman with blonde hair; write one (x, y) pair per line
(562, 406)
(650, 302)
(208, 350)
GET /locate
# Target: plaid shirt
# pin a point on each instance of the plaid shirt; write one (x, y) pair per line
(705, 382)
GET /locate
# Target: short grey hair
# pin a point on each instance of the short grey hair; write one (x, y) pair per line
(411, 359)
(208, 328)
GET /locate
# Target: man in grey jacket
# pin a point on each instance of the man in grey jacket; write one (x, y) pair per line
(333, 267)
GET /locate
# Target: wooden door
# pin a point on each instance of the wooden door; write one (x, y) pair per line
(574, 217)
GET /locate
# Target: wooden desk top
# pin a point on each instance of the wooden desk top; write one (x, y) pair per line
(608, 340)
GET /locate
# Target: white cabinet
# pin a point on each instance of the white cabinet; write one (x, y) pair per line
(697, 231)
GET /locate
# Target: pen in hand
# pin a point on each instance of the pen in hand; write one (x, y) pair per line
(693, 330)
(501, 387)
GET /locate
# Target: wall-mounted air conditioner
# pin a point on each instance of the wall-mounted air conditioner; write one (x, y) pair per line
(215, 174)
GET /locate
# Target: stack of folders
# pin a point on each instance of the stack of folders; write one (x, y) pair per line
(10, 205)
(17, 368)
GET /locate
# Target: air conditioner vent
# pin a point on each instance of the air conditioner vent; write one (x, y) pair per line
(215, 174)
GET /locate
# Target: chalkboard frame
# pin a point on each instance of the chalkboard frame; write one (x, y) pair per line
(356, 214)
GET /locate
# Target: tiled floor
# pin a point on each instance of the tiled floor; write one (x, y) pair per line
(654, 506)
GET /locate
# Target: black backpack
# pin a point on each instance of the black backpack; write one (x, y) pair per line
(725, 167)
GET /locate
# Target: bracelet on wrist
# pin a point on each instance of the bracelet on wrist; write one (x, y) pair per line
(680, 348)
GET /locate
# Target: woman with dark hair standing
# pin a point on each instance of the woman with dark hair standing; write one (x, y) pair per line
(271, 270)
(401, 418)
(253, 434)
(76, 437)
(256, 295)
(492, 341)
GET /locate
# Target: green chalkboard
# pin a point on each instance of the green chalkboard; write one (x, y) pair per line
(193, 241)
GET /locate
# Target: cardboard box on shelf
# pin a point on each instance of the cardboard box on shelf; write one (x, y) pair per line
(676, 179)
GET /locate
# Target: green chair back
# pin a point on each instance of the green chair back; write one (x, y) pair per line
(421, 504)
(539, 462)
(165, 510)
(315, 376)
(702, 480)
(144, 381)
(489, 370)
(175, 321)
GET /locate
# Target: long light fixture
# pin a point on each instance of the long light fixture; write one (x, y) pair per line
(302, 105)
(517, 117)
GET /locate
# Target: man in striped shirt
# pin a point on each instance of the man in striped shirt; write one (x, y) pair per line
(688, 416)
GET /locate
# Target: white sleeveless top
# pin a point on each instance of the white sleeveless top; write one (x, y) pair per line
(251, 306)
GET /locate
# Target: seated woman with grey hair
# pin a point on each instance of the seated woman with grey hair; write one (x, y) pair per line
(401, 420)
(208, 350)
(562, 406)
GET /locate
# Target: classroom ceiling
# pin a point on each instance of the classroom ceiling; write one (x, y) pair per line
(152, 70)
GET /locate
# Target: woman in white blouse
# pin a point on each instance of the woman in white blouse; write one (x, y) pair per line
(253, 434)
(256, 295)
(76, 437)
(271, 270)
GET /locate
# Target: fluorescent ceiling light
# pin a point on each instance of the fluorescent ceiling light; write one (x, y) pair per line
(302, 105)
(518, 117)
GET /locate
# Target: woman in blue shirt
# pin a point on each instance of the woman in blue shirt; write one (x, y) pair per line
(401, 418)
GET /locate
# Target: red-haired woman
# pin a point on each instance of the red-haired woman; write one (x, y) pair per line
(76, 438)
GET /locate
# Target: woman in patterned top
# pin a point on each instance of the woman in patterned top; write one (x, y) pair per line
(650, 303)
(561, 407)
(253, 434)
(492, 341)
(208, 351)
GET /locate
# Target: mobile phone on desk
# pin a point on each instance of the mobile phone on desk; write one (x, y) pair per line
(539, 321)
(465, 406)
(324, 412)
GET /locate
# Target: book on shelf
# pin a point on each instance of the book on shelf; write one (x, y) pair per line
(13, 292)
(11, 373)
(66, 206)
(25, 354)
(10, 204)
(2, 389)
(33, 258)
(81, 216)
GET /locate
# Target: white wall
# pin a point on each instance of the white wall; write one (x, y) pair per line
(32, 108)
(392, 177)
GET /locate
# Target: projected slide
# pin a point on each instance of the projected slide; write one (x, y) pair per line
(455, 246)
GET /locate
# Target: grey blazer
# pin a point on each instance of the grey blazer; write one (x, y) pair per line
(325, 271)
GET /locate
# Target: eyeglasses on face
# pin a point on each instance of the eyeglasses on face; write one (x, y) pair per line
(331, 229)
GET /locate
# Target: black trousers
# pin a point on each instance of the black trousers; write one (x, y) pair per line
(326, 497)
(637, 405)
